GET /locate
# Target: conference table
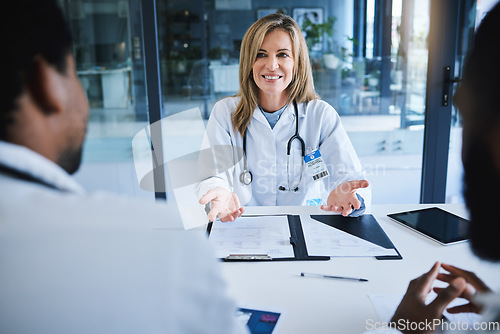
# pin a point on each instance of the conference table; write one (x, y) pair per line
(318, 305)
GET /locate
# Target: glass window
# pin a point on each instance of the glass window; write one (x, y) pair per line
(380, 97)
(109, 59)
(471, 18)
(369, 62)
(383, 100)
(370, 21)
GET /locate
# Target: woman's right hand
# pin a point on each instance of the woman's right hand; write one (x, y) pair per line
(223, 203)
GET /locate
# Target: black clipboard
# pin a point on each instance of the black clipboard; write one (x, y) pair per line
(365, 227)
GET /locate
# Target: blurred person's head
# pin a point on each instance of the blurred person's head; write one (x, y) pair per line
(42, 104)
(299, 86)
(478, 100)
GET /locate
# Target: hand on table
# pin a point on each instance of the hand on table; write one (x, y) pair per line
(343, 198)
(413, 308)
(473, 285)
(223, 203)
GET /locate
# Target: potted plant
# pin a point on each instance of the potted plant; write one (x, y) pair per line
(314, 33)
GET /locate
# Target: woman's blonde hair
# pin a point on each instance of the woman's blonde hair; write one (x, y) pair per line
(301, 87)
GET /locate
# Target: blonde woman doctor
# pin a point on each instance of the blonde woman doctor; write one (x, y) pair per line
(281, 144)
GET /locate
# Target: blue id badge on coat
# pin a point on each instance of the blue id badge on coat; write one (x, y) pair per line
(315, 165)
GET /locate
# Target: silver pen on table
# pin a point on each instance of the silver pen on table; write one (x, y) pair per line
(333, 277)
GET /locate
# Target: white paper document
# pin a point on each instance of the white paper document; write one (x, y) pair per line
(252, 235)
(324, 240)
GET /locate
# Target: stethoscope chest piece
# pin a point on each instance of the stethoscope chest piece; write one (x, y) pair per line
(246, 177)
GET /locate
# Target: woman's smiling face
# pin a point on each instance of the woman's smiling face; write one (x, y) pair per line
(273, 67)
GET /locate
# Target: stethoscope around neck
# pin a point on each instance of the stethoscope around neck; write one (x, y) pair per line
(246, 176)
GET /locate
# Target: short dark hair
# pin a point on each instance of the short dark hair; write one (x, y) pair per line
(478, 100)
(29, 28)
(480, 86)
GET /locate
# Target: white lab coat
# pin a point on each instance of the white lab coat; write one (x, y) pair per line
(77, 263)
(319, 126)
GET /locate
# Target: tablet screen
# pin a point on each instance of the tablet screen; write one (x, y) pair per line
(435, 223)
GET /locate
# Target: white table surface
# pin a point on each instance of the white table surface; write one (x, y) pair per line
(315, 305)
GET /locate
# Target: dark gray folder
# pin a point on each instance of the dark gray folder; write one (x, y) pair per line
(365, 227)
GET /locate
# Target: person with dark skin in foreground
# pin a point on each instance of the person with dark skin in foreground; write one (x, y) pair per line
(73, 262)
(478, 103)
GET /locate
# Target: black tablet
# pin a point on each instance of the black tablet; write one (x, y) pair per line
(435, 223)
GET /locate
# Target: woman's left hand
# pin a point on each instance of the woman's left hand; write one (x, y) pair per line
(343, 198)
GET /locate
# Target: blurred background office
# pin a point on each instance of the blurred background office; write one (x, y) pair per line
(389, 68)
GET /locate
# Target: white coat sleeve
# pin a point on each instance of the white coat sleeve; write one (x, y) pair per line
(219, 155)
